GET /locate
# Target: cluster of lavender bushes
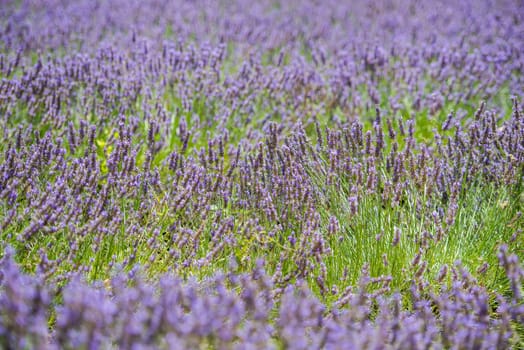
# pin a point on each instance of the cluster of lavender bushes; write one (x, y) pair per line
(127, 312)
(296, 174)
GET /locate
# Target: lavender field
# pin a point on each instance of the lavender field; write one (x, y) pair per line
(273, 174)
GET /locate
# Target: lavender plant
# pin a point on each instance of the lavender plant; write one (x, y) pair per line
(234, 175)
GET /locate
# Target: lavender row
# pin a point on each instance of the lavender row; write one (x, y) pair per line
(332, 25)
(199, 84)
(348, 58)
(234, 311)
(189, 209)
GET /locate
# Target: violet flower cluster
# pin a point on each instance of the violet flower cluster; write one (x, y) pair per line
(127, 312)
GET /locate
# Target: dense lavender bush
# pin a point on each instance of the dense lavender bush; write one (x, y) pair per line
(294, 174)
(127, 312)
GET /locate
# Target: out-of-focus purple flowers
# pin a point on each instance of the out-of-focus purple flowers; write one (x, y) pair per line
(127, 312)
